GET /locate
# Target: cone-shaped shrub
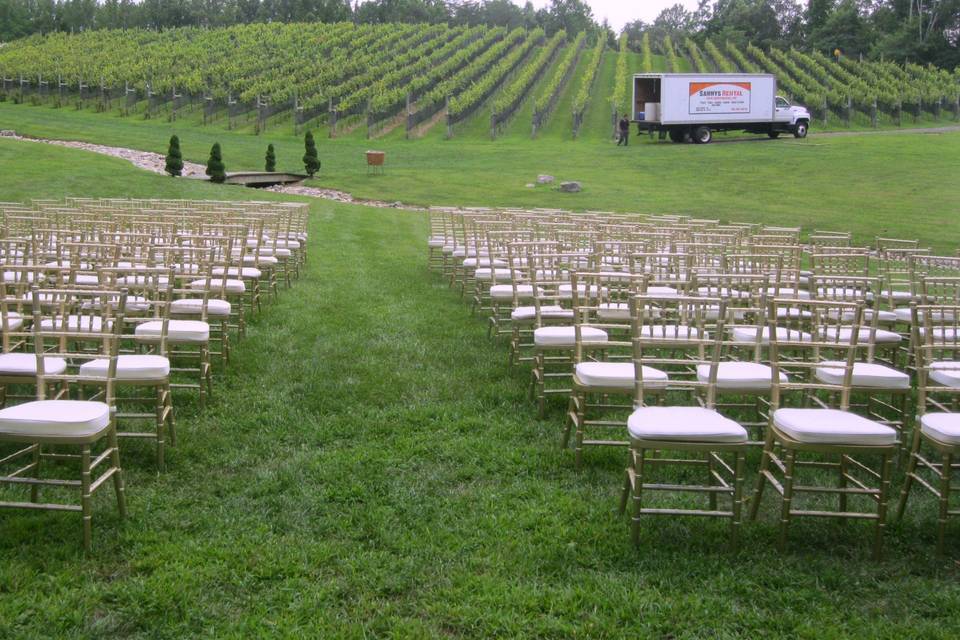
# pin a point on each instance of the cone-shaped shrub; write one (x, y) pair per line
(174, 160)
(215, 167)
(271, 159)
(310, 160)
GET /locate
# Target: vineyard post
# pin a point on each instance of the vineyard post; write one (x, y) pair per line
(825, 111)
(22, 93)
(916, 114)
(956, 107)
(104, 98)
(150, 101)
(230, 107)
(899, 113)
(937, 107)
(846, 111)
(446, 110)
(369, 119)
(42, 86)
(80, 88)
(174, 97)
(131, 95)
(296, 115)
(60, 85)
(873, 113)
(261, 118)
(333, 117)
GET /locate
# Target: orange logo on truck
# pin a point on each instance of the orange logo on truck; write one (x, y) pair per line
(698, 87)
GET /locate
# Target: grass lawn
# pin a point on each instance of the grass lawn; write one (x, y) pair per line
(892, 185)
(370, 468)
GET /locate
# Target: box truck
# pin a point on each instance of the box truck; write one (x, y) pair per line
(691, 106)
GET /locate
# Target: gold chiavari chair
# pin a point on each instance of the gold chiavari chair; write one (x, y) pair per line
(935, 449)
(694, 433)
(802, 437)
(47, 426)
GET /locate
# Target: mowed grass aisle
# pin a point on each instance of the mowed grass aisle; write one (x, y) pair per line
(370, 468)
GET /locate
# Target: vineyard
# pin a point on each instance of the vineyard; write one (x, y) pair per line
(374, 79)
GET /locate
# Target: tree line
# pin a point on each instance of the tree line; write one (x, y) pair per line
(922, 31)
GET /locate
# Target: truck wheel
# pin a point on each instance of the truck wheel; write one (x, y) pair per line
(702, 135)
(773, 134)
(800, 130)
(676, 135)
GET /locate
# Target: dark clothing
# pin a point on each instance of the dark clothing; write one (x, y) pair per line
(624, 126)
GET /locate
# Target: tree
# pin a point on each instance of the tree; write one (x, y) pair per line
(174, 159)
(271, 159)
(310, 160)
(215, 167)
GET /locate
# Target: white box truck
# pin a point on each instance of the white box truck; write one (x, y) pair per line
(691, 106)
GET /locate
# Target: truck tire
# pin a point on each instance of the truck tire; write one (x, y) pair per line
(800, 129)
(676, 135)
(702, 135)
(773, 134)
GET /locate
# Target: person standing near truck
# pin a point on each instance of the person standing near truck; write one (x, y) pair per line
(624, 126)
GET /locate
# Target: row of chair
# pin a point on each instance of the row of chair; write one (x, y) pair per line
(668, 333)
(109, 309)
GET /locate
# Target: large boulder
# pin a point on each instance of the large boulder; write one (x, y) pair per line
(571, 187)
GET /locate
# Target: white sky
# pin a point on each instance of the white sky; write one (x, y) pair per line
(620, 12)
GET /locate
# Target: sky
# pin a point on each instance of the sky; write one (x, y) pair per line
(620, 12)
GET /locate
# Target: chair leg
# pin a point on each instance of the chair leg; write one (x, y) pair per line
(737, 500)
(160, 424)
(625, 494)
(35, 489)
(885, 469)
(761, 478)
(711, 482)
(118, 486)
(640, 458)
(945, 473)
(911, 469)
(86, 503)
(787, 501)
(842, 481)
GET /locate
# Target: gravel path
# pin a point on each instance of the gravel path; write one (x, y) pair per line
(155, 162)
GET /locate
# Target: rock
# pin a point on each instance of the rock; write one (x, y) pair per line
(530, 185)
(545, 179)
(397, 204)
(8, 133)
(570, 187)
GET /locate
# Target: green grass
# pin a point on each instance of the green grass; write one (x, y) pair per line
(893, 185)
(369, 467)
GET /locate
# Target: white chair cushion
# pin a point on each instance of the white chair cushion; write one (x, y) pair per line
(722, 292)
(566, 336)
(613, 312)
(193, 306)
(749, 334)
(946, 372)
(740, 376)
(792, 313)
(14, 321)
(245, 272)
(129, 367)
(488, 273)
(78, 324)
(863, 336)
(25, 364)
(436, 242)
(940, 334)
(484, 262)
(55, 418)
(865, 374)
(86, 279)
(505, 291)
(232, 286)
(788, 292)
(566, 290)
(617, 374)
(264, 260)
(896, 296)
(550, 311)
(944, 427)
(142, 280)
(135, 304)
(684, 424)
(832, 426)
(662, 292)
(903, 314)
(178, 331)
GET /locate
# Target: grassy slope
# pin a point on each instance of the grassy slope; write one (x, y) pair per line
(370, 469)
(897, 185)
(560, 122)
(520, 124)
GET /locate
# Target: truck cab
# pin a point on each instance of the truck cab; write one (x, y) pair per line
(791, 118)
